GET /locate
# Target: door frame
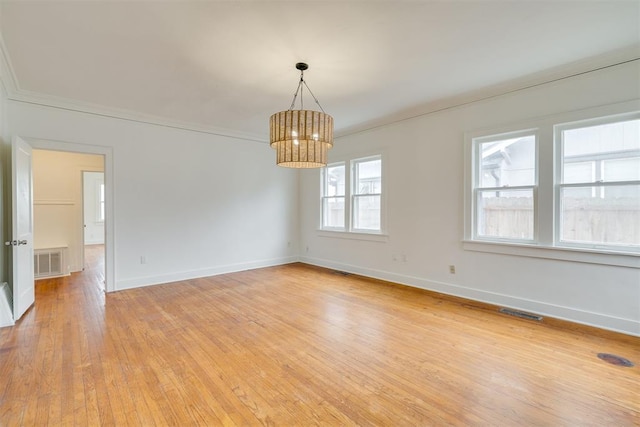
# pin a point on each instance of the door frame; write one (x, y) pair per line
(109, 211)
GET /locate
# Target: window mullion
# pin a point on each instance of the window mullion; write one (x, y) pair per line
(544, 197)
(507, 188)
(598, 184)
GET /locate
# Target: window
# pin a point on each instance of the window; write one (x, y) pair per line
(361, 186)
(366, 193)
(100, 199)
(561, 187)
(598, 193)
(333, 194)
(504, 187)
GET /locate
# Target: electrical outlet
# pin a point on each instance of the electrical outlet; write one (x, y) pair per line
(452, 269)
(143, 259)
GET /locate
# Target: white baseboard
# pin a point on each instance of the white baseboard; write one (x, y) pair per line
(139, 282)
(598, 320)
(6, 300)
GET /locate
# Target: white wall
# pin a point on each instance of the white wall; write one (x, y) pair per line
(425, 180)
(93, 226)
(57, 201)
(191, 204)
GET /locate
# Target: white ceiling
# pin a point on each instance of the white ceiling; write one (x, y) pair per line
(226, 66)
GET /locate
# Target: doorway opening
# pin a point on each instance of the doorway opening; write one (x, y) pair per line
(69, 212)
(64, 250)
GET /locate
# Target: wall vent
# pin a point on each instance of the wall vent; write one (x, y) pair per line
(521, 314)
(48, 263)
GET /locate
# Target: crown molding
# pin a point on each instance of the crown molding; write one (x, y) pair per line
(122, 114)
(573, 69)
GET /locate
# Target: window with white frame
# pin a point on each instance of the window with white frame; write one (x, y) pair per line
(366, 176)
(598, 190)
(100, 204)
(361, 185)
(504, 186)
(333, 196)
(569, 182)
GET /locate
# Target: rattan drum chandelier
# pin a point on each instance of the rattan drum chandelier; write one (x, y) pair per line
(301, 137)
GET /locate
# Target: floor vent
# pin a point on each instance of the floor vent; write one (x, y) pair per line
(521, 314)
(615, 360)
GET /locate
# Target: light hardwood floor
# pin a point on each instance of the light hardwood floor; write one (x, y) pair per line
(299, 345)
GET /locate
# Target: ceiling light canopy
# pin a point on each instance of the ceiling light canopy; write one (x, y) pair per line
(301, 137)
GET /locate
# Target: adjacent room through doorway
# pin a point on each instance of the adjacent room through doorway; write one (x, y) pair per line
(69, 213)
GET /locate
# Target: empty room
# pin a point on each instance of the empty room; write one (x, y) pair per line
(295, 213)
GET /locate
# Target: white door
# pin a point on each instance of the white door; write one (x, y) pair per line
(22, 227)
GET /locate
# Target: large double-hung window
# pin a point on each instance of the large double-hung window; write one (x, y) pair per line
(505, 187)
(333, 195)
(569, 182)
(366, 193)
(352, 196)
(598, 191)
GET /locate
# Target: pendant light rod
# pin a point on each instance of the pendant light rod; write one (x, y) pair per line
(302, 67)
(314, 97)
(295, 96)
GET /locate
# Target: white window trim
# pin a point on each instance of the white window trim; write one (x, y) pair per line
(545, 246)
(348, 232)
(605, 257)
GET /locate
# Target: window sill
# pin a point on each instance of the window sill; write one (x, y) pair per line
(589, 256)
(351, 235)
